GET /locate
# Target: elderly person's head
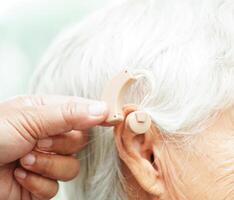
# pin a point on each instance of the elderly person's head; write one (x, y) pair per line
(188, 47)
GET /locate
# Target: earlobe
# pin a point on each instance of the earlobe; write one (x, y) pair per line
(137, 153)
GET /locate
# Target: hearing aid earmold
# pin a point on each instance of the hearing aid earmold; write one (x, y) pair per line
(138, 122)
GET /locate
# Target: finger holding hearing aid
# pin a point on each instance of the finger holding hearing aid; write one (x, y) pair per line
(42, 132)
(38, 135)
(64, 144)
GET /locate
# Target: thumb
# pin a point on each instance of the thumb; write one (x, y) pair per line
(49, 120)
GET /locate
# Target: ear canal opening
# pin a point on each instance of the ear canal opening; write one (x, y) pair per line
(152, 158)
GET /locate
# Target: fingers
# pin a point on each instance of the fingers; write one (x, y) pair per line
(49, 120)
(39, 100)
(40, 187)
(65, 144)
(25, 195)
(52, 166)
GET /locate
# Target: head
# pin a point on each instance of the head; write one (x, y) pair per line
(188, 47)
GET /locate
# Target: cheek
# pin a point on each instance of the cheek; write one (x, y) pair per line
(224, 176)
(218, 161)
(203, 171)
(221, 153)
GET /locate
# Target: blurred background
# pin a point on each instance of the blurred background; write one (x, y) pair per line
(27, 27)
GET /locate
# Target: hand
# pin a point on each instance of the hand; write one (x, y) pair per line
(56, 126)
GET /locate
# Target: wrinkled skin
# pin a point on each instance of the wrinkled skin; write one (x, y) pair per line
(195, 167)
(38, 137)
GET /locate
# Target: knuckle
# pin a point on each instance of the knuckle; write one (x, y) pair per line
(32, 121)
(47, 165)
(38, 100)
(69, 110)
(72, 111)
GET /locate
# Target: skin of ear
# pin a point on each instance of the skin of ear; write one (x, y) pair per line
(199, 167)
(137, 154)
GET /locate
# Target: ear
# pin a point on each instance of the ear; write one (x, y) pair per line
(138, 153)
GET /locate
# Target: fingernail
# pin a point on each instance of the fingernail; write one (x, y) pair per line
(45, 143)
(29, 159)
(20, 173)
(97, 109)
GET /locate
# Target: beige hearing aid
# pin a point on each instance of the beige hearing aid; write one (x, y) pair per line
(138, 122)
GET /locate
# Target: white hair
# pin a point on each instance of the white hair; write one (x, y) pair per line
(187, 45)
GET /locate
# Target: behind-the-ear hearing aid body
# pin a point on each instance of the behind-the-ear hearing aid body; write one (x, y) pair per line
(138, 122)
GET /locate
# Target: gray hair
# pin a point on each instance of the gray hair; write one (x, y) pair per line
(187, 45)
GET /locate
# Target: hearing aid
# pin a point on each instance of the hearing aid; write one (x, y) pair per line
(138, 121)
